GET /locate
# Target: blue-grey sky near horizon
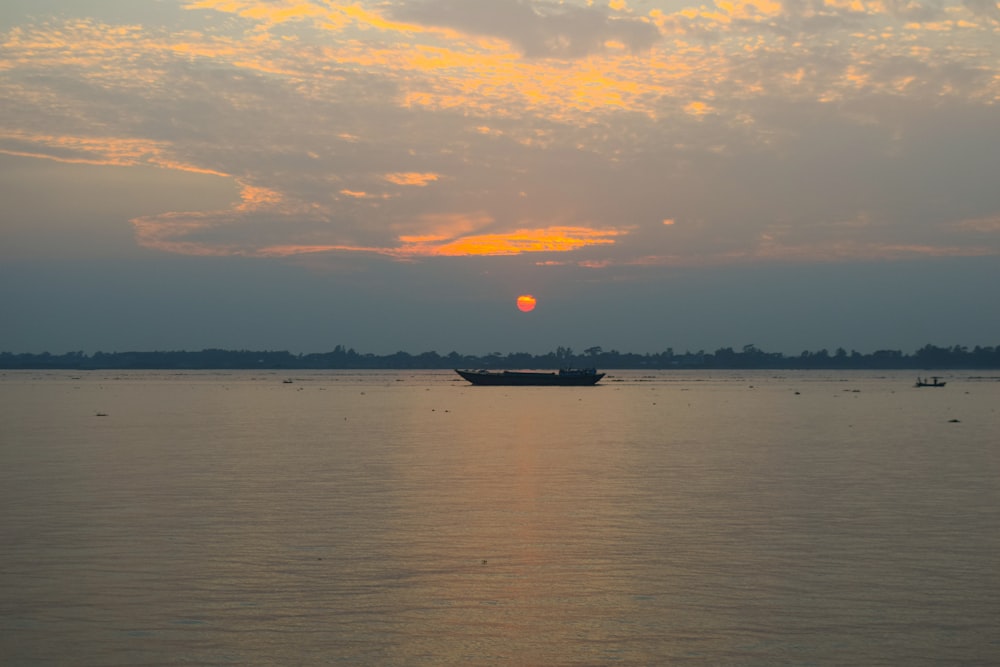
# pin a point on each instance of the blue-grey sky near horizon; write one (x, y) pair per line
(391, 175)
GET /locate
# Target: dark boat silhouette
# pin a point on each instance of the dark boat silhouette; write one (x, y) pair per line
(567, 377)
(935, 381)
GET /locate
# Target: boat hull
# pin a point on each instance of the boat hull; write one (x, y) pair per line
(530, 379)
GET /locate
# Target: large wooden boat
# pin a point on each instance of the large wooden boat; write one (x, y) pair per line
(567, 377)
(933, 382)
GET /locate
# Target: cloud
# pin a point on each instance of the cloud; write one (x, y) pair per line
(269, 231)
(420, 130)
(412, 178)
(537, 28)
(913, 10)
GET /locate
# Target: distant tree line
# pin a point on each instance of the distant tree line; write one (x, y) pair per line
(928, 357)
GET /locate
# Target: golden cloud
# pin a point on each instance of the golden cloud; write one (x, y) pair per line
(97, 150)
(255, 197)
(548, 239)
(412, 178)
(220, 233)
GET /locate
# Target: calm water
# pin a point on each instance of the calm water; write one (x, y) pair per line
(410, 519)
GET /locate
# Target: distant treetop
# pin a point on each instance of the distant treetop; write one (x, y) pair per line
(927, 357)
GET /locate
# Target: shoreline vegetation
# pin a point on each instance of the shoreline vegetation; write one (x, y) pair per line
(928, 357)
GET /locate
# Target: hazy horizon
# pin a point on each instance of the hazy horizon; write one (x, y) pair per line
(577, 352)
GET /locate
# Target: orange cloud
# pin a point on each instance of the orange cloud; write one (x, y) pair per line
(101, 151)
(697, 108)
(168, 232)
(411, 178)
(290, 250)
(360, 194)
(548, 239)
(226, 233)
(255, 197)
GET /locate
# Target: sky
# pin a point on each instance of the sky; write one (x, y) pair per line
(391, 175)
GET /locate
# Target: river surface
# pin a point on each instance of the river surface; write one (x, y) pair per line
(408, 518)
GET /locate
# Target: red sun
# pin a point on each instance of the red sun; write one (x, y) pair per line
(526, 303)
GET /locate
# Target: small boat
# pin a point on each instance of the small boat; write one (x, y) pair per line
(567, 377)
(935, 381)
